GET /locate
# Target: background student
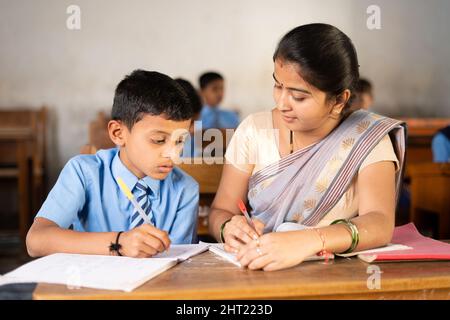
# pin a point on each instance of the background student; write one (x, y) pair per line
(212, 91)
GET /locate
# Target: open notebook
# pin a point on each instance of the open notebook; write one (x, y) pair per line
(398, 246)
(218, 249)
(100, 272)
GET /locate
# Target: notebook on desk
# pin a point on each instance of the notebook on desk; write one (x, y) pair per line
(100, 272)
(219, 250)
(420, 248)
(407, 244)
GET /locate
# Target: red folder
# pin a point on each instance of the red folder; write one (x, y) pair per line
(423, 248)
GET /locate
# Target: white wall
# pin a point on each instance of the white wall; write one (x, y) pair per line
(75, 72)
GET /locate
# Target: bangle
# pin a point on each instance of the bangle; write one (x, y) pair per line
(221, 230)
(353, 231)
(115, 247)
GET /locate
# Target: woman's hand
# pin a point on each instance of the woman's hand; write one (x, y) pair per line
(237, 232)
(279, 250)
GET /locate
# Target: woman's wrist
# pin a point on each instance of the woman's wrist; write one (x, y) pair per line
(222, 229)
(319, 243)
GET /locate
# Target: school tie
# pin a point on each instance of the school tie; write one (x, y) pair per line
(142, 195)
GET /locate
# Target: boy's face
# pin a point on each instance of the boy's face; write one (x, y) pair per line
(152, 145)
(366, 100)
(363, 101)
(212, 94)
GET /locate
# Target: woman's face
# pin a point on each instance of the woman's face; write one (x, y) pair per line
(302, 107)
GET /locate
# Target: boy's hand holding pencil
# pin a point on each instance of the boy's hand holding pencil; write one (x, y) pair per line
(146, 240)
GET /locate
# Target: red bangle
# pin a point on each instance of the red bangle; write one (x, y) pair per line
(322, 252)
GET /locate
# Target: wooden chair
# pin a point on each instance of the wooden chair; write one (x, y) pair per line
(98, 135)
(209, 141)
(208, 177)
(420, 135)
(430, 193)
(23, 158)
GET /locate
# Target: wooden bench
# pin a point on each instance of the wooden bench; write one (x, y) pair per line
(207, 173)
(98, 135)
(430, 193)
(23, 158)
(420, 135)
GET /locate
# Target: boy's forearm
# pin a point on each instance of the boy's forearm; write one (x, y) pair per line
(54, 239)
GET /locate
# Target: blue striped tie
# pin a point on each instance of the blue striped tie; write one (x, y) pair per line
(141, 194)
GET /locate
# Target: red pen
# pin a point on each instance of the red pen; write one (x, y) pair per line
(244, 211)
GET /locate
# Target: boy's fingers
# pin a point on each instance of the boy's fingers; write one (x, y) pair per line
(147, 250)
(154, 242)
(155, 232)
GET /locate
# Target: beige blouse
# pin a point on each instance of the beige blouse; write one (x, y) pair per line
(254, 146)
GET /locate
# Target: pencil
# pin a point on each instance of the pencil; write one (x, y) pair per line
(130, 196)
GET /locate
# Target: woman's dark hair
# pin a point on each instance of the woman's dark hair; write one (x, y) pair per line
(194, 98)
(149, 92)
(325, 55)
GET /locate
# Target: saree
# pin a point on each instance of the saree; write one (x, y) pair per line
(305, 185)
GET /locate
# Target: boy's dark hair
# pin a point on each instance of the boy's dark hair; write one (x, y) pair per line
(149, 92)
(194, 98)
(208, 77)
(364, 86)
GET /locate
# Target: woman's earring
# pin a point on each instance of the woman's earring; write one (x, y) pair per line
(336, 114)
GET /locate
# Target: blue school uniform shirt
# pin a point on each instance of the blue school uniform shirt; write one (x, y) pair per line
(218, 118)
(190, 150)
(87, 196)
(441, 148)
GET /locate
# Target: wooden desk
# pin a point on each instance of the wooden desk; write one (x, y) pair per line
(17, 140)
(206, 276)
(207, 172)
(430, 191)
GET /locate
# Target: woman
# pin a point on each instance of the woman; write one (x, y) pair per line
(309, 162)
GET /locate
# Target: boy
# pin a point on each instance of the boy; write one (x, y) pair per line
(151, 116)
(212, 116)
(363, 95)
(190, 149)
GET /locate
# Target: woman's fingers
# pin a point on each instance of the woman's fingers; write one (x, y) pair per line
(259, 225)
(251, 254)
(239, 227)
(232, 245)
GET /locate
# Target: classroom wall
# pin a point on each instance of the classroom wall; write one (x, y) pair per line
(75, 72)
